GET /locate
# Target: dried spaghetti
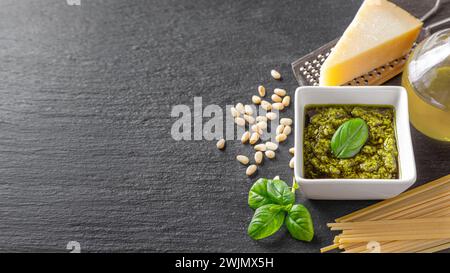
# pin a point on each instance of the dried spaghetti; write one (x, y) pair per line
(414, 221)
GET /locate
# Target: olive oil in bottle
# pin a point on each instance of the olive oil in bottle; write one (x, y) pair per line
(427, 80)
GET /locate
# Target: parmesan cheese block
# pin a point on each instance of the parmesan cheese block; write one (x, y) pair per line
(380, 32)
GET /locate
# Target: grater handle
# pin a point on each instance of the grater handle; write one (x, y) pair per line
(438, 23)
(432, 11)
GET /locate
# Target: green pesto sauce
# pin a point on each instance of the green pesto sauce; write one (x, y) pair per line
(377, 158)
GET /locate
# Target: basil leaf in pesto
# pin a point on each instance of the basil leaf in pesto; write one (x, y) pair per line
(266, 221)
(280, 193)
(349, 138)
(299, 223)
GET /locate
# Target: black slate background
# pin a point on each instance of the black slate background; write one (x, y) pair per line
(86, 94)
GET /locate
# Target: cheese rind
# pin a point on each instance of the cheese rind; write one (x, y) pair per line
(380, 32)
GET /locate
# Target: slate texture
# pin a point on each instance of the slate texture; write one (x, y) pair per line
(86, 152)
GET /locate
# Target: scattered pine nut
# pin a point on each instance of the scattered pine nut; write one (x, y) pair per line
(249, 119)
(254, 138)
(243, 159)
(262, 125)
(276, 98)
(271, 115)
(276, 178)
(278, 106)
(280, 92)
(261, 118)
(234, 112)
(275, 74)
(258, 157)
(287, 130)
(280, 138)
(286, 101)
(256, 100)
(279, 129)
(291, 163)
(256, 129)
(261, 91)
(266, 105)
(240, 121)
(260, 147)
(245, 137)
(248, 109)
(240, 108)
(270, 154)
(220, 144)
(271, 146)
(251, 170)
(292, 150)
(286, 121)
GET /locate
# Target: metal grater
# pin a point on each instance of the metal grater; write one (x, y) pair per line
(307, 68)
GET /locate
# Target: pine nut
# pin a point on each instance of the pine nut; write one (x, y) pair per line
(266, 105)
(280, 138)
(287, 130)
(260, 147)
(251, 170)
(271, 115)
(276, 178)
(220, 144)
(256, 100)
(234, 112)
(276, 98)
(261, 118)
(291, 163)
(248, 109)
(254, 138)
(258, 157)
(286, 121)
(261, 91)
(243, 159)
(278, 106)
(240, 121)
(245, 137)
(249, 119)
(262, 125)
(256, 129)
(275, 74)
(279, 129)
(280, 92)
(271, 146)
(270, 154)
(292, 150)
(286, 101)
(240, 108)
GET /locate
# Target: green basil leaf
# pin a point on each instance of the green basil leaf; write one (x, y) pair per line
(258, 195)
(299, 223)
(267, 191)
(266, 221)
(280, 193)
(349, 138)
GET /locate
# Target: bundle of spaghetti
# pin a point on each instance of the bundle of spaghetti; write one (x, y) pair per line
(414, 221)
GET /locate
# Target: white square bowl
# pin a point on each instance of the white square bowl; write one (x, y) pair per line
(356, 189)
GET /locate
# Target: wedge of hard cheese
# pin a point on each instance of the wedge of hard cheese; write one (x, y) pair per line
(380, 32)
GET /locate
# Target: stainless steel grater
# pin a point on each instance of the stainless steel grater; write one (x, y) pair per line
(307, 68)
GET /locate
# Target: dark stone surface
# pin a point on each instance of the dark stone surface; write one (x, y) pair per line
(86, 94)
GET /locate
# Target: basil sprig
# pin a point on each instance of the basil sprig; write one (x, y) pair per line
(266, 191)
(349, 138)
(267, 220)
(274, 204)
(299, 223)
